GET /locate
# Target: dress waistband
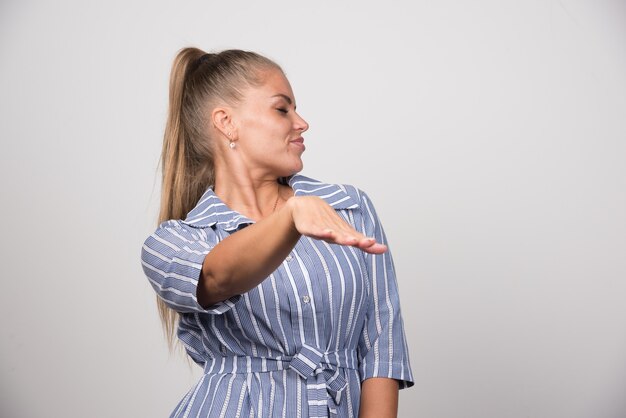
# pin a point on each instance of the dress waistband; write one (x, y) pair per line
(307, 354)
(321, 372)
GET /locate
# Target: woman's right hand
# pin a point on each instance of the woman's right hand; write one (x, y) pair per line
(315, 218)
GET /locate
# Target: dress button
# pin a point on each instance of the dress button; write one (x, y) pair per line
(289, 257)
(306, 299)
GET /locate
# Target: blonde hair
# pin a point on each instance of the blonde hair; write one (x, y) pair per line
(198, 82)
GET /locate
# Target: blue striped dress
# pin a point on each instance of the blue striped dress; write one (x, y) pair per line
(301, 342)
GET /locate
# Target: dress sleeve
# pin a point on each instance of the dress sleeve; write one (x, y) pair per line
(172, 260)
(383, 350)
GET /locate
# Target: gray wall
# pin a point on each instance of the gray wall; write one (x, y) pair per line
(490, 135)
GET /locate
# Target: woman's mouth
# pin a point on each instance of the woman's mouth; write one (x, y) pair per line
(299, 142)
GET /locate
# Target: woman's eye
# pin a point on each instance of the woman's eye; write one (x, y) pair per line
(280, 109)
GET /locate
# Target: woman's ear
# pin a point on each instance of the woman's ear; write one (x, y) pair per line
(221, 117)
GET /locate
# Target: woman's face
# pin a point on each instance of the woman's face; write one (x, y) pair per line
(269, 131)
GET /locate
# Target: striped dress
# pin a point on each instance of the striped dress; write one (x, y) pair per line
(301, 342)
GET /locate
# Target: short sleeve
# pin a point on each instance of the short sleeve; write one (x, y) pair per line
(172, 260)
(383, 349)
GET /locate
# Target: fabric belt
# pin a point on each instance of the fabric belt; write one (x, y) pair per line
(320, 370)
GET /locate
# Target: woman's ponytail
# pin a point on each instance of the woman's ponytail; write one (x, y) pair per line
(184, 179)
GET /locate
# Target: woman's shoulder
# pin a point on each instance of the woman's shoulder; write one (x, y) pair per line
(334, 193)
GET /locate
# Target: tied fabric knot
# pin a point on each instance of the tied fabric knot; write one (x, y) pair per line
(308, 364)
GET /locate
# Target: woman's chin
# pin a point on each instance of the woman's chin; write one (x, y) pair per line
(294, 168)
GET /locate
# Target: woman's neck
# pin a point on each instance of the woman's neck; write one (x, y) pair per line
(253, 196)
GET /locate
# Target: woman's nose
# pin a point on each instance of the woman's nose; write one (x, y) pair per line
(301, 124)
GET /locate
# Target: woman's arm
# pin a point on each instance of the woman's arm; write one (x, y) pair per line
(244, 259)
(379, 398)
(384, 363)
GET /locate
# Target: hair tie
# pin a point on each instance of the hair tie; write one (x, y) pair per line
(204, 58)
(194, 65)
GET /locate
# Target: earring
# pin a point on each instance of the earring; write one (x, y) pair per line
(231, 144)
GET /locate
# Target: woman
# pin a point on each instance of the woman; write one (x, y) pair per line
(281, 285)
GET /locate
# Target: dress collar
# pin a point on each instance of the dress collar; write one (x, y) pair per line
(211, 211)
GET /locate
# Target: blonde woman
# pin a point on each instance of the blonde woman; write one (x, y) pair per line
(280, 286)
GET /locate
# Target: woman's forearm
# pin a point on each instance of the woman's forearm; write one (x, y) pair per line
(379, 398)
(244, 259)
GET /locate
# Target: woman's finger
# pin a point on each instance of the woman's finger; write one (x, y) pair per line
(342, 238)
(376, 248)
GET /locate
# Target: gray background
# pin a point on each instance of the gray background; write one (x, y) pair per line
(490, 135)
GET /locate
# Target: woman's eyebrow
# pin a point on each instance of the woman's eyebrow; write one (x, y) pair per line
(284, 96)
